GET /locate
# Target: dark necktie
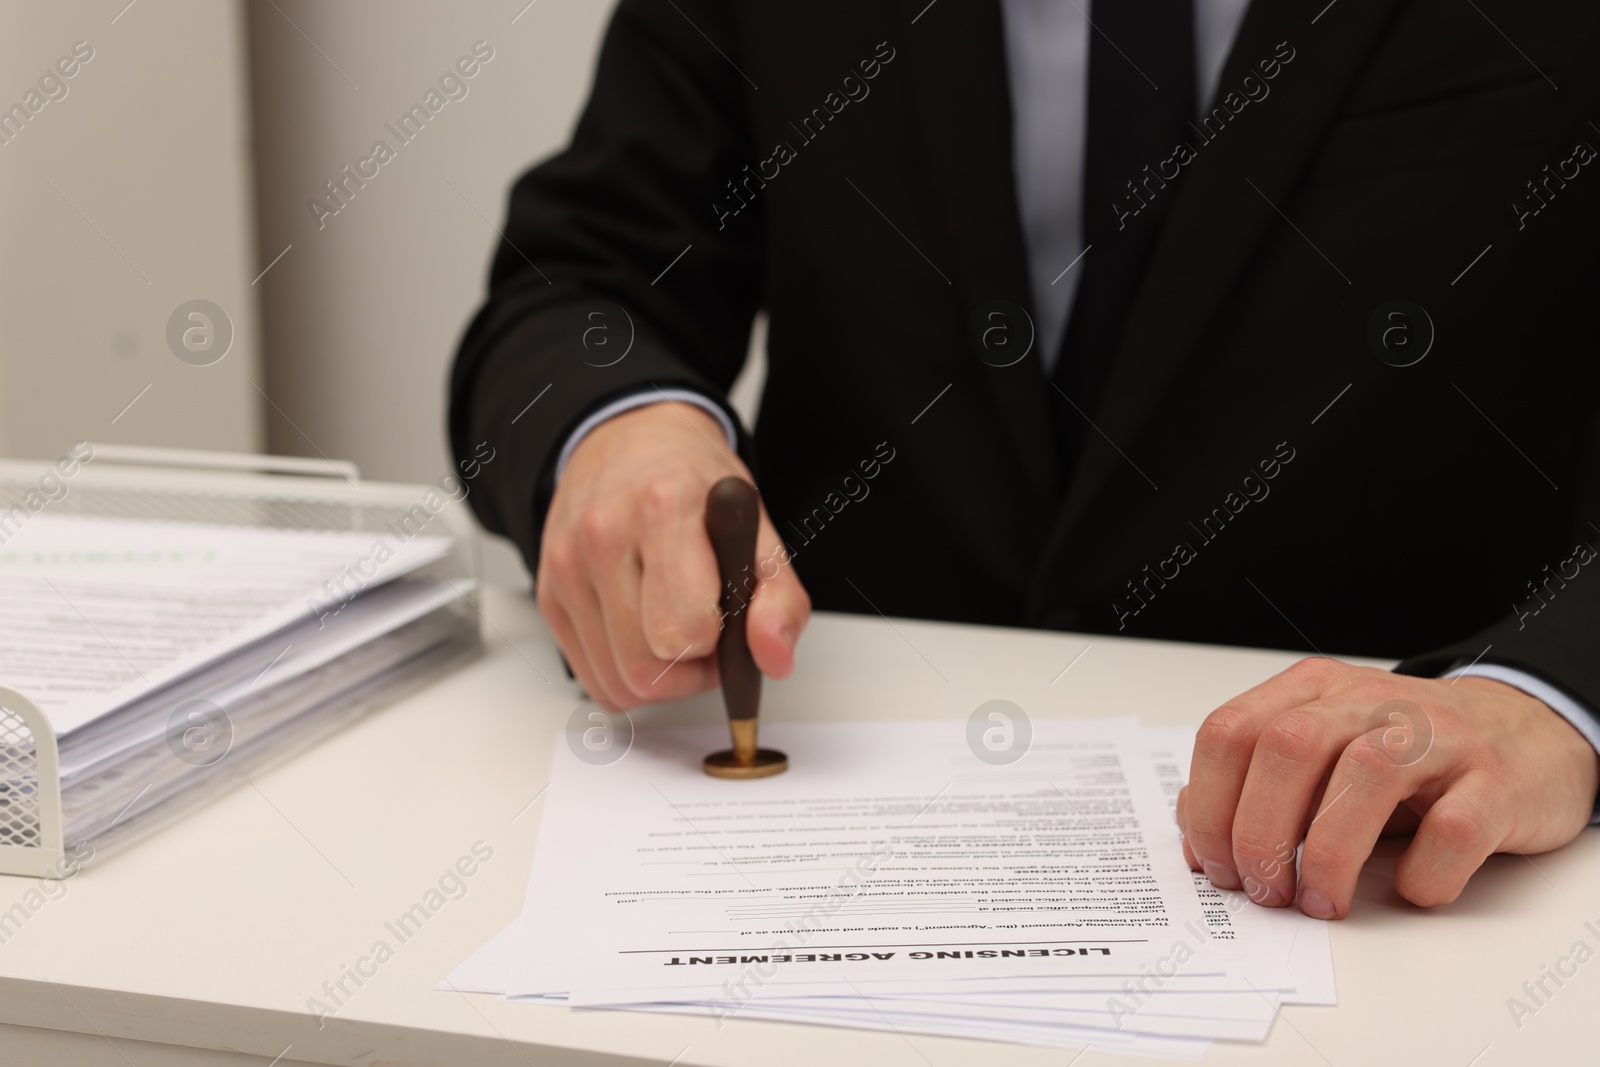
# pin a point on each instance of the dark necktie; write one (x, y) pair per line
(1141, 101)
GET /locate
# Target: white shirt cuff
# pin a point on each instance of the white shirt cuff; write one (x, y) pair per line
(641, 399)
(1582, 718)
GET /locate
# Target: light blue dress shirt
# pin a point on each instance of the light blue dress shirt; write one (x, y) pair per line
(1047, 62)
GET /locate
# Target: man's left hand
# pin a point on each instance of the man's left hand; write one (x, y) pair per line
(1333, 755)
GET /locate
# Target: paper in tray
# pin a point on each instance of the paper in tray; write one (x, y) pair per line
(167, 631)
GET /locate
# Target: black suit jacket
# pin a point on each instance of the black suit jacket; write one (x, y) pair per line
(1260, 470)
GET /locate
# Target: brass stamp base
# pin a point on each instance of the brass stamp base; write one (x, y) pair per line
(727, 764)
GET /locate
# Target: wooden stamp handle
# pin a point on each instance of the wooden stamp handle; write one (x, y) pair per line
(733, 515)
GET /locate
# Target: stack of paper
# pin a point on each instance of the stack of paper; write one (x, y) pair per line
(892, 879)
(166, 654)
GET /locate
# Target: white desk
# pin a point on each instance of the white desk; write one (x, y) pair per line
(202, 945)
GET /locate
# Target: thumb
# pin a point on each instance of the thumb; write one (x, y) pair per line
(780, 608)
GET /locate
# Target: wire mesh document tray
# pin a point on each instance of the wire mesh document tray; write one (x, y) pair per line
(71, 797)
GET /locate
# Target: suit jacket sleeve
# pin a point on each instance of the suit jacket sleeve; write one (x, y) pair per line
(1553, 635)
(579, 309)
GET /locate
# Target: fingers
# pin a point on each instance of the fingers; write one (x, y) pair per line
(594, 663)
(679, 590)
(566, 635)
(680, 597)
(1285, 776)
(1402, 823)
(646, 677)
(1333, 756)
(1367, 784)
(780, 609)
(630, 585)
(1455, 837)
(1188, 853)
(1224, 747)
(661, 609)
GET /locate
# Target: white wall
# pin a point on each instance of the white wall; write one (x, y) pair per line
(363, 314)
(188, 147)
(119, 201)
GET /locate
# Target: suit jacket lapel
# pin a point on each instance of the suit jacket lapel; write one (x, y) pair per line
(957, 53)
(1218, 220)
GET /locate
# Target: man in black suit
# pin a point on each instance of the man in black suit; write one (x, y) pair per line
(1263, 325)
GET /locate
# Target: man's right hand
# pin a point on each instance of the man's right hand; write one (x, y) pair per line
(627, 579)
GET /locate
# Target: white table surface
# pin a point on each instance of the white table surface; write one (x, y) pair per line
(202, 944)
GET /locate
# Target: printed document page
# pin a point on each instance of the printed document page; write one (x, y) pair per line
(887, 851)
(927, 908)
(95, 612)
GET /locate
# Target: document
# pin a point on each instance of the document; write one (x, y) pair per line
(95, 612)
(1260, 932)
(926, 891)
(238, 682)
(123, 765)
(888, 852)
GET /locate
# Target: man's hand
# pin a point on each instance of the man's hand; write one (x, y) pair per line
(1333, 755)
(627, 579)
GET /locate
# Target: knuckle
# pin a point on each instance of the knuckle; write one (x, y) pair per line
(557, 560)
(600, 529)
(661, 499)
(1226, 732)
(1318, 669)
(1455, 827)
(1295, 736)
(1329, 860)
(1368, 763)
(1258, 852)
